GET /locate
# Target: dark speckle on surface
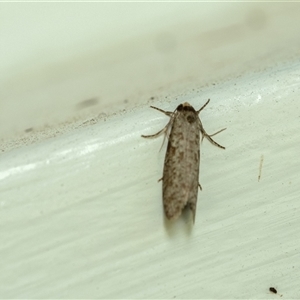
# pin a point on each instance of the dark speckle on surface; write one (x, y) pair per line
(87, 103)
(28, 129)
(273, 290)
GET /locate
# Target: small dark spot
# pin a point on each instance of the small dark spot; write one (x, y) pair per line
(126, 101)
(179, 107)
(171, 149)
(152, 98)
(90, 122)
(181, 156)
(190, 119)
(28, 129)
(87, 103)
(273, 290)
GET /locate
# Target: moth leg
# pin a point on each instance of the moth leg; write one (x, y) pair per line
(200, 186)
(160, 179)
(168, 113)
(204, 134)
(156, 134)
(217, 132)
(165, 129)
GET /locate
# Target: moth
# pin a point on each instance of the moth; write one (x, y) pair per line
(182, 160)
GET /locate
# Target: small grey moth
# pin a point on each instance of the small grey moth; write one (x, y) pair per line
(182, 160)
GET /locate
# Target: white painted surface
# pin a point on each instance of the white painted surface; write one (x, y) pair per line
(81, 214)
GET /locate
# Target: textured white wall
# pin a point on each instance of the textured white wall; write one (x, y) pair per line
(81, 213)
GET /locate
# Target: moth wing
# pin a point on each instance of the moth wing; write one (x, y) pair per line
(178, 196)
(181, 169)
(173, 203)
(180, 184)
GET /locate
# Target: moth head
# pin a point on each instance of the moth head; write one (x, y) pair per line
(188, 111)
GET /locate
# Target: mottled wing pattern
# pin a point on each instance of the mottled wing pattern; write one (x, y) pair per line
(181, 168)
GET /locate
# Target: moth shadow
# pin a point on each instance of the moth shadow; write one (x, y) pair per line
(184, 222)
